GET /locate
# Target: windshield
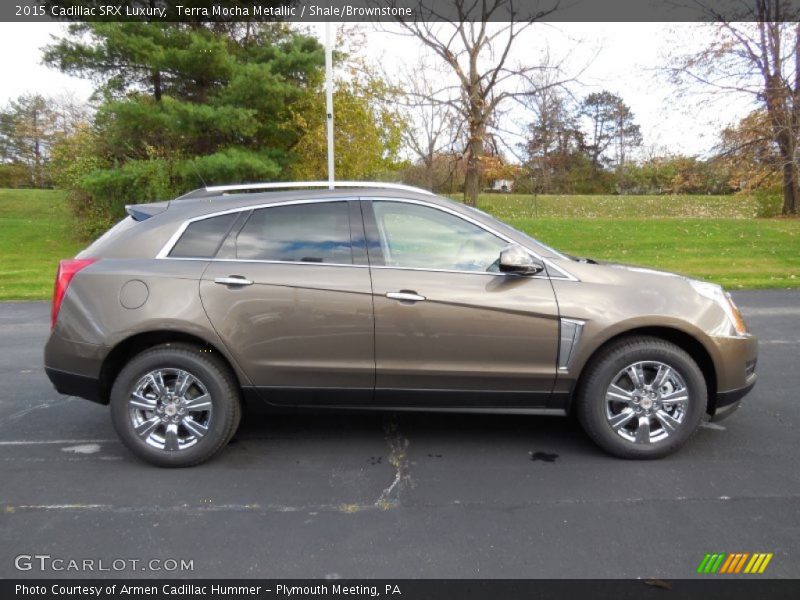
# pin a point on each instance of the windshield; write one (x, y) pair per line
(501, 225)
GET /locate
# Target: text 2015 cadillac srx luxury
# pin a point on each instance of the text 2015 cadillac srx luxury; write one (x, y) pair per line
(377, 296)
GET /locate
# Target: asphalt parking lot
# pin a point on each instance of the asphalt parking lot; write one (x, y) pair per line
(409, 495)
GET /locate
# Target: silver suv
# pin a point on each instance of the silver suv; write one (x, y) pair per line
(377, 296)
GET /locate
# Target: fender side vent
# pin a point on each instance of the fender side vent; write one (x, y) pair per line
(570, 336)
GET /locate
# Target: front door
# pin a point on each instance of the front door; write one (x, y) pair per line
(450, 329)
(293, 305)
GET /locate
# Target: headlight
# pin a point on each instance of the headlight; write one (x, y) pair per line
(715, 292)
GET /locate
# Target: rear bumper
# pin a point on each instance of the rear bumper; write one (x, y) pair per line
(74, 368)
(72, 384)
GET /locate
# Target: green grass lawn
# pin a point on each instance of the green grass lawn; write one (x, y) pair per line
(717, 238)
(737, 253)
(710, 237)
(510, 207)
(35, 232)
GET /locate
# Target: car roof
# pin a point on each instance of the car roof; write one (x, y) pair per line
(197, 204)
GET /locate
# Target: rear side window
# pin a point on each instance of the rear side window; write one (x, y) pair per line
(203, 238)
(315, 233)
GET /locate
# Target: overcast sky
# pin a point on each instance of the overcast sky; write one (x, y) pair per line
(624, 58)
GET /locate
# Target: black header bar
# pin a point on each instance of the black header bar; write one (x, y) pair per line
(310, 11)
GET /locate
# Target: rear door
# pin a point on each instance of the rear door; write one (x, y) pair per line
(290, 296)
(450, 330)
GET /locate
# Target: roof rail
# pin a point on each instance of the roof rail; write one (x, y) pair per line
(277, 185)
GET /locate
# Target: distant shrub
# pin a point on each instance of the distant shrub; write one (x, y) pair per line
(769, 203)
(92, 217)
(14, 175)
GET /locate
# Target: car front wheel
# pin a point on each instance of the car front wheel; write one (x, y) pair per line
(641, 398)
(175, 405)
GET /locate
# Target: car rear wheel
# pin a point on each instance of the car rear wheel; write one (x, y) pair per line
(175, 405)
(641, 398)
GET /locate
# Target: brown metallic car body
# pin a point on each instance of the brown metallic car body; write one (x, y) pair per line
(327, 335)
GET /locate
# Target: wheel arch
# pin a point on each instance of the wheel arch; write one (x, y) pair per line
(129, 347)
(688, 343)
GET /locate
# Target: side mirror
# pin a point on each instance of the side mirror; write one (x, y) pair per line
(515, 259)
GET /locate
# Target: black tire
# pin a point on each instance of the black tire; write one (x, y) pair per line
(591, 406)
(212, 372)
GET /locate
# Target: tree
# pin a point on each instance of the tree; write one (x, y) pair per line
(598, 110)
(609, 126)
(568, 146)
(185, 103)
(749, 152)
(477, 54)
(70, 113)
(368, 124)
(757, 55)
(433, 129)
(367, 134)
(28, 127)
(627, 135)
(446, 169)
(554, 139)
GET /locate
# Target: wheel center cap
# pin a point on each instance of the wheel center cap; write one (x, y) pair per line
(171, 409)
(647, 403)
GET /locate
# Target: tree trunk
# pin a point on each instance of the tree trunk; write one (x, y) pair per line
(157, 85)
(429, 178)
(37, 152)
(787, 147)
(472, 183)
(156, 73)
(790, 187)
(472, 176)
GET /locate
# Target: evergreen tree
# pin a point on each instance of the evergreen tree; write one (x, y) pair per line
(182, 103)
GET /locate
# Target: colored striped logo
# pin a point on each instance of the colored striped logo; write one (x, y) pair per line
(740, 562)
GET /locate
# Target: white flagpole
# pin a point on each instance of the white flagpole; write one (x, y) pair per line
(329, 98)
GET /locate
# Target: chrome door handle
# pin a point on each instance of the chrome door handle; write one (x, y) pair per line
(405, 296)
(233, 280)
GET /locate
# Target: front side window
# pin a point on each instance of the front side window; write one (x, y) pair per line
(416, 236)
(315, 233)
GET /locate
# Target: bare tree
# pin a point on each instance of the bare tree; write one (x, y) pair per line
(757, 55)
(478, 54)
(70, 112)
(627, 135)
(553, 135)
(28, 128)
(599, 111)
(433, 128)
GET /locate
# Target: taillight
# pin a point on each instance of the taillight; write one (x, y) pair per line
(66, 271)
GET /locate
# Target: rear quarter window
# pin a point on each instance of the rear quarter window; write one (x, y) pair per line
(202, 238)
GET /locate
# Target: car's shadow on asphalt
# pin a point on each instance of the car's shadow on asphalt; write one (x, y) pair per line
(546, 437)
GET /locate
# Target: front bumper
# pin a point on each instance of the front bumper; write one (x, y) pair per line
(727, 402)
(735, 361)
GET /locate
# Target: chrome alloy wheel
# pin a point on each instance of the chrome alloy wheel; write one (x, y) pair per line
(646, 402)
(170, 409)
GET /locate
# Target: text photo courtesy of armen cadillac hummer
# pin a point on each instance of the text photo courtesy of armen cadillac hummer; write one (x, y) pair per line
(327, 299)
